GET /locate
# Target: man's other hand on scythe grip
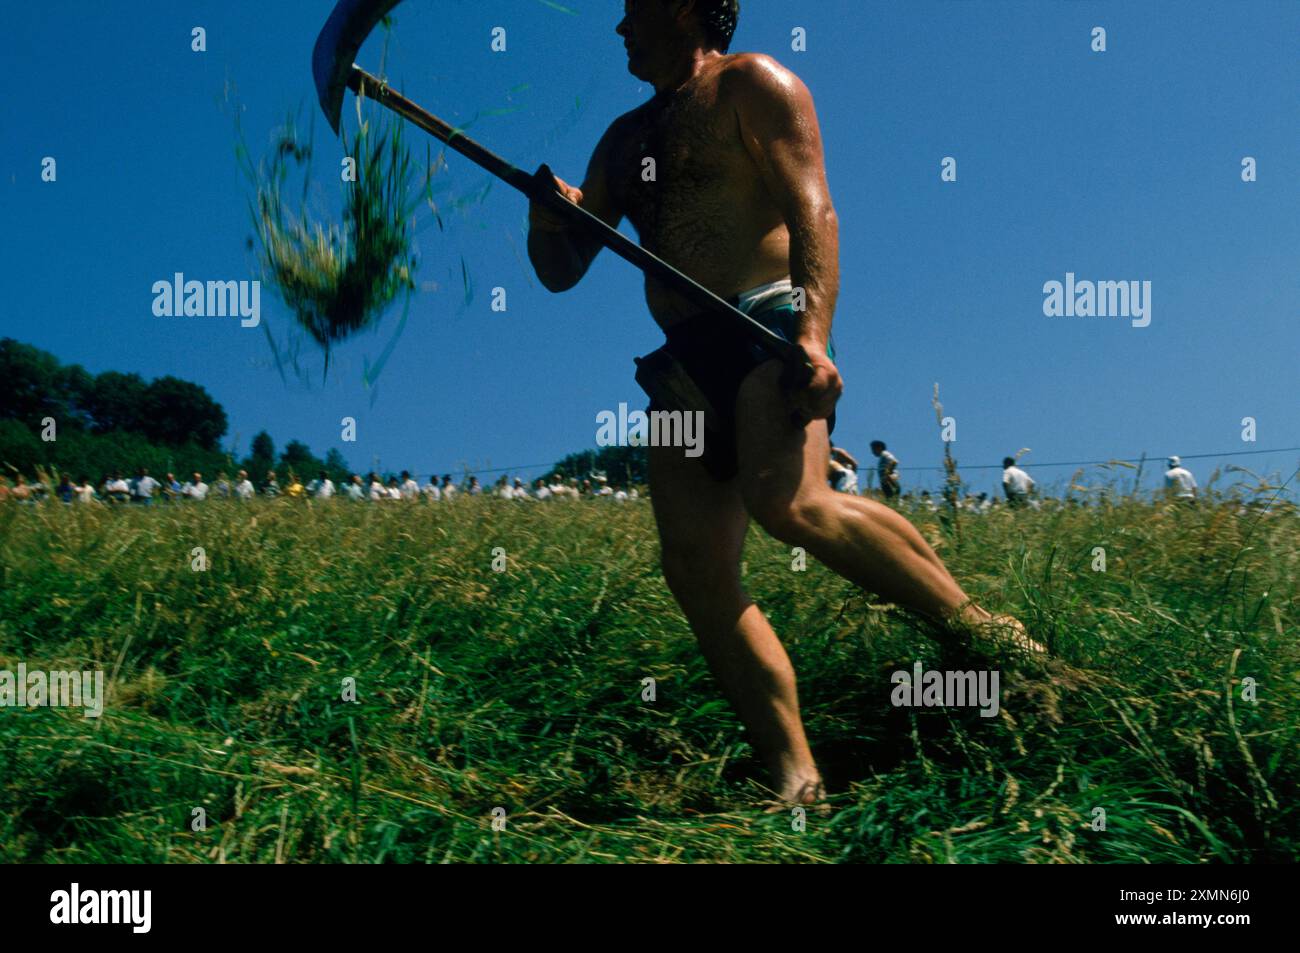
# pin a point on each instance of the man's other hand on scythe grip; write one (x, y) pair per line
(559, 252)
(547, 220)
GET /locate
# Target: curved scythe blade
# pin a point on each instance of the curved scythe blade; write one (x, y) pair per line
(339, 41)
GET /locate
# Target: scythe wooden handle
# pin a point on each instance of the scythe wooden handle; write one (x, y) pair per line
(540, 188)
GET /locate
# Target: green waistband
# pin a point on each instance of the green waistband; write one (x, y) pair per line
(784, 320)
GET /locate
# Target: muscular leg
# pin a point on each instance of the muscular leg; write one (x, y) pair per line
(702, 525)
(782, 485)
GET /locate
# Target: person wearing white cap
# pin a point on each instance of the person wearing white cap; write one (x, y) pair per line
(1179, 482)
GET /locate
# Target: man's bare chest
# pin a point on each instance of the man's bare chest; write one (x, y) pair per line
(684, 152)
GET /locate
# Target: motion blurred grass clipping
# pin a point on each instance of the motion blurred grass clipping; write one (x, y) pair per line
(338, 279)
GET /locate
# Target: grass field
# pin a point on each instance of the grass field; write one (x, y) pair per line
(522, 690)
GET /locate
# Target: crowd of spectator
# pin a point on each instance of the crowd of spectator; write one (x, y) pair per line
(145, 490)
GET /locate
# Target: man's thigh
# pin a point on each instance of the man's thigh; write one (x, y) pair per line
(700, 519)
(778, 461)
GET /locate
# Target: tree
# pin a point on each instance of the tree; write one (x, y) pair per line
(31, 384)
(116, 402)
(622, 465)
(178, 412)
(298, 457)
(76, 385)
(261, 456)
(337, 467)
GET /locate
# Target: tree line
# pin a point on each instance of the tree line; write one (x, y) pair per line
(61, 418)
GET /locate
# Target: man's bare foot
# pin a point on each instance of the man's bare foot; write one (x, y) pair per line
(798, 793)
(1006, 632)
(1000, 633)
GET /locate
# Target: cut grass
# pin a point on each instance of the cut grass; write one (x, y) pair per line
(523, 690)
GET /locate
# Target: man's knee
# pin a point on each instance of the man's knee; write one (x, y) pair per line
(795, 520)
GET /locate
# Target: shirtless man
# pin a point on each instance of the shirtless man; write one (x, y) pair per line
(739, 201)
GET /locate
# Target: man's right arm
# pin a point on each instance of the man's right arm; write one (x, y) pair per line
(561, 253)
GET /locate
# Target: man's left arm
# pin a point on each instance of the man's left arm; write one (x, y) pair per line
(778, 124)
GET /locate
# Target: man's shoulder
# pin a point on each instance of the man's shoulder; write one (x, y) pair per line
(756, 74)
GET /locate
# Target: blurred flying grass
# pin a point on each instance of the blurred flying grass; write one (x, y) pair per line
(338, 279)
(523, 689)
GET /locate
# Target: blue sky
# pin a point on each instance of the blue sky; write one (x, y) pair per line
(1122, 165)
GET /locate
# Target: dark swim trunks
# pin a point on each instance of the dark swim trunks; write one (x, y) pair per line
(718, 359)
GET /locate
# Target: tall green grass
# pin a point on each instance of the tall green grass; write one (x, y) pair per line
(523, 690)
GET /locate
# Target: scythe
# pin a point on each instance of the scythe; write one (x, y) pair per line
(335, 72)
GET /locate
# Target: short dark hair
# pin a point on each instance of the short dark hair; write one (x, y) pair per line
(878, 443)
(718, 18)
(1008, 462)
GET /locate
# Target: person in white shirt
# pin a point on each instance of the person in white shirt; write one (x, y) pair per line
(85, 491)
(541, 491)
(394, 491)
(1016, 483)
(321, 488)
(410, 488)
(376, 488)
(244, 486)
(143, 487)
(431, 491)
(354, 488)
(843, 471)
(843, 479)
(448, 488)
(887, 468)
(117, 489)
(196, 489)
(1179, 482)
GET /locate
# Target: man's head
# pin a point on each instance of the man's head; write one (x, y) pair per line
(877, 447)
(657, 34)
(1175, 462)
(1008, 462)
